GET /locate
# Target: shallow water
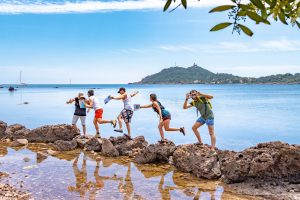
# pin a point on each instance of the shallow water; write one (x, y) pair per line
(83, 175)
(244, 114)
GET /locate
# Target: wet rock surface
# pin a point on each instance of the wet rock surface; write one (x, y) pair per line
(198, 160)
(93, 144)
(274, 160)
(127, 147)
(40, 156)
(52, 133)
(267, 189)
(19, 143)
(7, 192)
(108, 148)
(3, 127)
(156, 153)
(61, 145)
(16, 131)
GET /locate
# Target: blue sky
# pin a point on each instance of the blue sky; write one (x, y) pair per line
(123, 41)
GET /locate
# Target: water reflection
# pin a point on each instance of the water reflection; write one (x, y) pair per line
(84, 175)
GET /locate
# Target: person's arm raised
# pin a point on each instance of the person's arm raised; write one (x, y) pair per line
(207, 96)
(88, 103)
(121, 97)
(134, 93)
(185, 104)
(146, 106)
(70, 101)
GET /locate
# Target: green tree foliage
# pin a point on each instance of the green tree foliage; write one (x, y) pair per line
(259, 11)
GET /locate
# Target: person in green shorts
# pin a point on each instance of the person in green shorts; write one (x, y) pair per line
(202, 104)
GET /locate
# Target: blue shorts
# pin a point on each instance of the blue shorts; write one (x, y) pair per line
(208, 122)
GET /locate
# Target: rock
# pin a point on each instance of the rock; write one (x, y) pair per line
(108, 149)
(61, 145)
(81, 141)
(19, 143)
(40, 156)
(156, 153)
(52, 133)
(3, 127)
(273, 160)
(51, 152)
(93, 144)
(26, 159)
(197, 159)
(16, 131)
(126, 147)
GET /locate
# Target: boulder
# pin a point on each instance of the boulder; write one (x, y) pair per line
(16, 131)
(3, 127)
(273, 160)
(156, 153)
(61, 145)
(197, 159)
(93, 144)
(52, 133)
(81, 141)
(19, 143)
(126, 147)
(108, 149)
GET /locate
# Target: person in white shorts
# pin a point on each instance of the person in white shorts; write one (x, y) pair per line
(80, 111)
(127, 112)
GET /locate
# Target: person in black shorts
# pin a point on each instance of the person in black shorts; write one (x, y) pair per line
(80, 111)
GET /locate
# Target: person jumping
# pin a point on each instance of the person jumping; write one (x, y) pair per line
(94, 103)
(164, 117)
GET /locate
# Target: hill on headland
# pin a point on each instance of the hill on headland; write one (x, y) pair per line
(199, 75)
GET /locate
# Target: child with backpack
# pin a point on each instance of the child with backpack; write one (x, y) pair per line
(201, 102)
(164, 117)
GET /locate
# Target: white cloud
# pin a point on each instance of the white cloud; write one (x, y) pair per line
(282, 44)
(38, 7)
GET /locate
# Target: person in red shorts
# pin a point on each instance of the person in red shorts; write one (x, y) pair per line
(94, 103)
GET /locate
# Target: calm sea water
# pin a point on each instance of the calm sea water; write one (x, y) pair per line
(244, 114)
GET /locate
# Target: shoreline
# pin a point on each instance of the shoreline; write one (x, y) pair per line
(251, 171)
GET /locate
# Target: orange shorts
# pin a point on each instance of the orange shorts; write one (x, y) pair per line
(99, 113)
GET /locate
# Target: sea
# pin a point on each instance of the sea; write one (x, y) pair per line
(244, 114)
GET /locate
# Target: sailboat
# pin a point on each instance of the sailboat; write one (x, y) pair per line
(21, 83)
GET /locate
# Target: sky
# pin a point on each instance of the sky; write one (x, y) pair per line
(102, 42)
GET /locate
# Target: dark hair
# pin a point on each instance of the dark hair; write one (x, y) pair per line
(91, 92)
(153, 97)
(122, 89)
(192, 91)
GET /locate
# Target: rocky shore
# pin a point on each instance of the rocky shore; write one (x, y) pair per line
(270, 170)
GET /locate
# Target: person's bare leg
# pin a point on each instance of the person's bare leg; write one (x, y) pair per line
(103, 121)
(161, 132)
(96, 126)
(195, 129)
(128, 128)
(120, 121)
(212, 137)
(84, 130)
(166, 125)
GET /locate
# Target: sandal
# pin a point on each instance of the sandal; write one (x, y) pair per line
(114, 123)
(128, 137)
(182, 130)
(119, 130)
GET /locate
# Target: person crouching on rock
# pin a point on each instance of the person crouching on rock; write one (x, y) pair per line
(94, 103)
(127, 112)
(80, 111)
(203, 105)
(164, 117)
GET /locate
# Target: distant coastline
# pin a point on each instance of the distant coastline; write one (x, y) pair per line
(199, 75)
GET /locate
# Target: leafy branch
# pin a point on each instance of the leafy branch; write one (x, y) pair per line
(260, 11)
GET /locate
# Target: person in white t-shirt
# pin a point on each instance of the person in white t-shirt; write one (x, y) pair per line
(94, 103)
(127, 112)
